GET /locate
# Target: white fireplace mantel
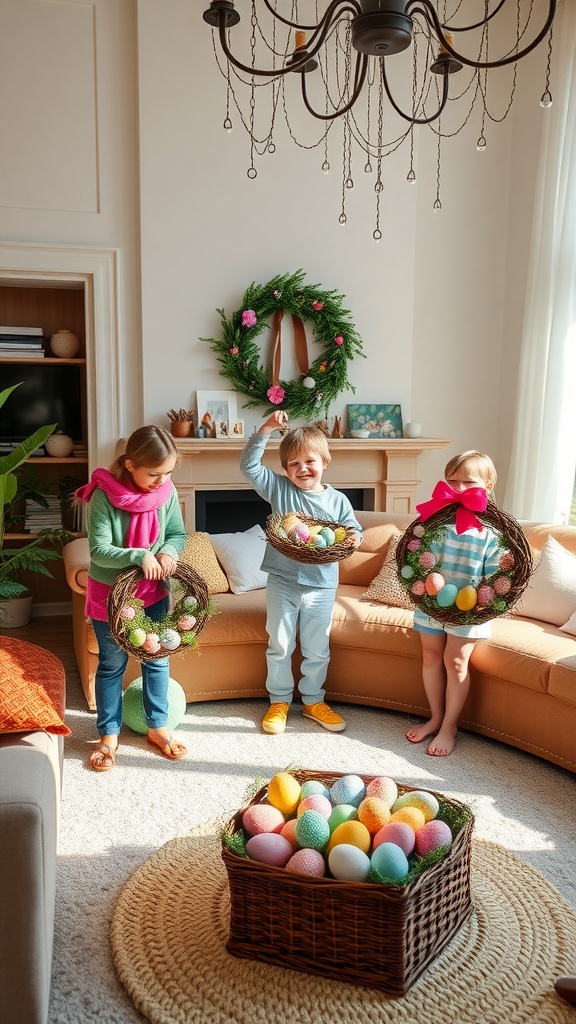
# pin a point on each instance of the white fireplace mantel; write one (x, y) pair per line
(386, 468)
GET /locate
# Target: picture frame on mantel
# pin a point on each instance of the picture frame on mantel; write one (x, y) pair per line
(220, 406)
(379, 420)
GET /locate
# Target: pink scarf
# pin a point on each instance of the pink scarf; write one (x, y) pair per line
(473, 499)
(144, 527)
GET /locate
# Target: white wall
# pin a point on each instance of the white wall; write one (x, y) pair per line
(438, 302)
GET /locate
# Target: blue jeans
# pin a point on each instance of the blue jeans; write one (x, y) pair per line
(112, 661)
(292, 607)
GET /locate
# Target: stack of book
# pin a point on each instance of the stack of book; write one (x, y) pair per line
(21, 343)
(39, 518)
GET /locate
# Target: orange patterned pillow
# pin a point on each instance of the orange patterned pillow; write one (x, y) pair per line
(24, 705)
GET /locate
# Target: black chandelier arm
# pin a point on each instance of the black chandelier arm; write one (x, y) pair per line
(409, 117)
(479, 24)
(359, 79)
(426, 9)
(347, 5)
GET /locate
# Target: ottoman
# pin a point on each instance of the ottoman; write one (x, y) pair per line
(30, 788)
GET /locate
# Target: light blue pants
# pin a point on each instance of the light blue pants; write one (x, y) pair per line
(112, 661)
(292, 607)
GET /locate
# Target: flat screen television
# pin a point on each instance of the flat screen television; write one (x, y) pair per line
(48, 394)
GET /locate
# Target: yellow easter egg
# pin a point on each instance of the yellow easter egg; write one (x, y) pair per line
(466, 599)
(291, 521)
(413, 816)
(353, 833)
(284, 792)
(339, 534)
(315, 529)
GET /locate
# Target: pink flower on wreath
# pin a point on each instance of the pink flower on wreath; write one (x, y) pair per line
(276, 394)
(338, 340)
(317, 305)
(414, 545)
(276, 293)
(249, 318)
(234, 351)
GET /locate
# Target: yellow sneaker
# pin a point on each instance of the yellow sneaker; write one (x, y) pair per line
(325, 717)
(274, 720)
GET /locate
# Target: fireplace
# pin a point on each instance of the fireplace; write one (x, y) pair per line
(226, 511)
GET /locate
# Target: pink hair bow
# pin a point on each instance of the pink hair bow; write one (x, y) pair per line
(473, 499)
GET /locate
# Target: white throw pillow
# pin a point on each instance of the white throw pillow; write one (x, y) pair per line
(240, 555)
(570, 626)
(551, 593)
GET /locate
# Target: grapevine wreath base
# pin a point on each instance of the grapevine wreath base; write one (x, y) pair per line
(482, 599)
(308, 540)
(147, 639)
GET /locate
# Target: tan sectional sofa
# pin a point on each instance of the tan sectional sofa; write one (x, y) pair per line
(523, 680)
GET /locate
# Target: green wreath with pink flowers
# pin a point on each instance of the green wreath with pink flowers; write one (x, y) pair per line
(322, 380)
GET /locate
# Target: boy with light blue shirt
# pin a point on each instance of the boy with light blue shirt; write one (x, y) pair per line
(300, 596)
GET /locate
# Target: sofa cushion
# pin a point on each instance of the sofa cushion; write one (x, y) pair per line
(240, 555)
(359, 624)
(551, 593)
(386, 586)
(25, 704)
(200, 554)
(521, 651)
(562, 682)
(360, 568)
(240, 619)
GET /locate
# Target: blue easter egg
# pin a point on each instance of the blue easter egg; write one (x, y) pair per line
(319, 541)
(348, 789)
(447, 595)
(407, 572)
(390, 861)
(329, 536)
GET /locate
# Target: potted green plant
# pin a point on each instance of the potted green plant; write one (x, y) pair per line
(33, 555)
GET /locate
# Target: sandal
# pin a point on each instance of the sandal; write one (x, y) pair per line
(169, 747)
(103, 751)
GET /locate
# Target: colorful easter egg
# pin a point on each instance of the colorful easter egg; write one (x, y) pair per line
(328, 535)
(288, 830)
(485, 595)
(313, 786)
(269, 848)
(137, 637)
(506, 560)
(307, 862)
(390, 861)
(447, 595)
(315, 802)
(348, 863)
(384, 787)
(127, 612)
(412, 816)
(291, 521)
(302, 532)
(170, 639)
(341, 813)
(373, 813)
(502, 585)
(186, 622)
(312, 830)
(262, 818)
(152, 643)
(434, 583)
(427, 560)
(319, 541)
(354, 833)
(418, 588)
(295, 537)
(397, 832)
(414, 545)
(189, 603)
(419, 530)
(420, 798)
(432, 835)
(466, 599)
(284, 792)
(348, 789)
(340, 534)
(407, 572)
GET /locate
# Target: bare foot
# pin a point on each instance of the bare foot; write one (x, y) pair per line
(443, 743)
(421, 732)
(167, 745)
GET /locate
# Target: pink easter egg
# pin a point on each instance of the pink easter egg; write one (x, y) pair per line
(186, 622)
(303, 532)
(307, 862)
(262, 818)
(269, 848)
(434, 583)
(315, 802)
(502, 585)
(427, 560)
(288, 830)
(414, 545)
(152, 643)
(506, 560)
(418, 588)
(431, 835)
(128, 612)
(485, 595)
(398, 832)
(383, 787)
(419, 530)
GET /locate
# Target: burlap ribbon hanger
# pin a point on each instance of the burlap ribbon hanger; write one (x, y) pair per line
(300, 345)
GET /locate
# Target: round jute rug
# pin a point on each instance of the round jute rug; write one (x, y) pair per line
(170, 926)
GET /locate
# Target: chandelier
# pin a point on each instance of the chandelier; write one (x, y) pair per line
(379, 69)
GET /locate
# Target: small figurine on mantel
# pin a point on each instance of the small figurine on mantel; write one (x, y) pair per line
(208, 425)
(337, 429)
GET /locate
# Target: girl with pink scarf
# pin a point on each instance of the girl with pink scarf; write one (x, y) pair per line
(133, 518)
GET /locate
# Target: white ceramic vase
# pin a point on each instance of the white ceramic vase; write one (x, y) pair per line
(59, 446)
(413, 429)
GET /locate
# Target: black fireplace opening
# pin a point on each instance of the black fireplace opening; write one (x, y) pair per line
(236, 511)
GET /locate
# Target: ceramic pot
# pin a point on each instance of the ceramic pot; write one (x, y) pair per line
(64, 344)
(413, 429)
(59, 446)
(181, 428)
(15, 612)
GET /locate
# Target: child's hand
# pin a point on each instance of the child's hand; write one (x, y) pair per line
(151, 567)
(168, 564)
(354, 539)
(277, 421)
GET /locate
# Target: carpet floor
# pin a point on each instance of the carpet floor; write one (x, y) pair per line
(112, 822)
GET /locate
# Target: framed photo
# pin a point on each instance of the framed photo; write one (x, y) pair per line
(222, 428)
(237, 429)
(380, 420)
(215, 407)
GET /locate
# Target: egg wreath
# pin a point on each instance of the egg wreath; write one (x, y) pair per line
(149, 639)
(482, 599)
(321, 380)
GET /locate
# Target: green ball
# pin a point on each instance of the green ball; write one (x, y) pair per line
(133, 706)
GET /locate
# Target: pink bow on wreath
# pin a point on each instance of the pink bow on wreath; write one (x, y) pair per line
(473, 499)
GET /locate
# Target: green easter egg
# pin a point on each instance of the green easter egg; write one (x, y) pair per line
(407, 572)
(137, 637)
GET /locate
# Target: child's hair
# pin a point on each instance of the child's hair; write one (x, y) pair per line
(309, 438)
(147, 446)
(473, 462)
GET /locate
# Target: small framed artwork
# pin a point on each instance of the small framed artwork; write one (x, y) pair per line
(237, 429)
(221, 427)
(379, 420)
(213, 407)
